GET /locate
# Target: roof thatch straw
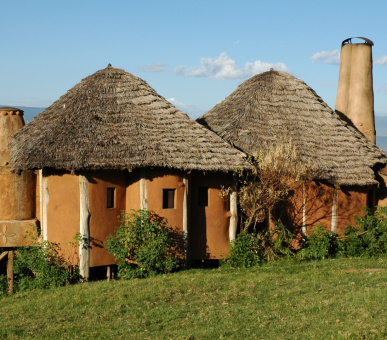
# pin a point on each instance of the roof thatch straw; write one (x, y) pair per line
(273, 106)
(114, 120)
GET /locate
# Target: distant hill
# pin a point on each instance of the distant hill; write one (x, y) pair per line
(381, 125)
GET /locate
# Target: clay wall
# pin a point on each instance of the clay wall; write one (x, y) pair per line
(103, 218)
(63, 212)
(209, 225)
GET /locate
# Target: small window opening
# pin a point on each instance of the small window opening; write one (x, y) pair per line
(111, 198)
(202, 196)
(168, 198)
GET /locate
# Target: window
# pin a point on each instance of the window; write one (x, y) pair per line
(168, 198)
(111, 198)
(202, 196)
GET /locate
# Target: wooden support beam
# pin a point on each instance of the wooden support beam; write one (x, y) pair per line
(234, 212)
(334, 211)
(11, 255)
(84, 228)
(303, 209)
(44, 199)
(3, 254)
(108, 273)
(185, 218)
(143, 191)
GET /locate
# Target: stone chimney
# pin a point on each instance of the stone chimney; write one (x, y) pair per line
(355, 96)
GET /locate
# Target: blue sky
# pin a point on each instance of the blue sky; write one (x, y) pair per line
(193, 53)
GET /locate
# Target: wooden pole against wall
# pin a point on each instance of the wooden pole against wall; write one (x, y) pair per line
(44, 198)
(334, 211)
(143, 191)
(234, 212)
(84, 228)
(11, 255)
(303, 209)
(185, 218)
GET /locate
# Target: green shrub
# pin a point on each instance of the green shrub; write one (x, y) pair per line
(320, 244)
(368, 237)
(41, 265)
(375, 231)
(143, 244)
(245, 252)
(351, 244)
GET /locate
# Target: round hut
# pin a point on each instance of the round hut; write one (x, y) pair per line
(111, 143)
(274, 106)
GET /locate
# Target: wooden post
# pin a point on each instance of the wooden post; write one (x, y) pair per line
(334, 211)
(44, 198)
(84, 216)
(303, 209)
(143, 191)
(234, 212)
(108, 273)
(185, 218)
(11, 255)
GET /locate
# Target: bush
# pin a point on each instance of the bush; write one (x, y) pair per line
(319, 245)
(368, 237)
(40, 265)
(245, 252)
(251, 249)
(143, 245)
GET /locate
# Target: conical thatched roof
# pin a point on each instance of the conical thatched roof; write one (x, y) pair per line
(114, 120)
(275, 105)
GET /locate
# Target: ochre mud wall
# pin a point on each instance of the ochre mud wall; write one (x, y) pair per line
(63, 213)
(209, 225)
(318, 207)
(103, 219)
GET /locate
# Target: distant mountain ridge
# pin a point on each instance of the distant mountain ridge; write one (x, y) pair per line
(380, 123)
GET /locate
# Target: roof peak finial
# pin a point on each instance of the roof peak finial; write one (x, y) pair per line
(109, 65)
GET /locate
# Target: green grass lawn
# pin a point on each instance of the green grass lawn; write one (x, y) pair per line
(338, 299)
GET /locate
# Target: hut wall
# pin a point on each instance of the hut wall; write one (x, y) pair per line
(209, 221)
(350, 203)
(63, 213)
(381, 192)
(158, 182)
(317, 210)
(318, 207)
(133, 192)
(107, 196)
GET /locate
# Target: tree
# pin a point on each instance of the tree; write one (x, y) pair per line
(276, 170)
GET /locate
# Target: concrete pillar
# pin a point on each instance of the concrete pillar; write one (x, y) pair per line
(355, 97)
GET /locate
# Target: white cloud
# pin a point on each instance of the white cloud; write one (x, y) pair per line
(191, 110)
(381, 61)
(159, 67)
(224, 68)
(381, 89)
(327, 57)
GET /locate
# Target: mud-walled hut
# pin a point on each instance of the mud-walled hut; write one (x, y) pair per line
(111, 143)
(274, 106)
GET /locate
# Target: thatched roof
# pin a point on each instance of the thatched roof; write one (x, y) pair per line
(114, 120)
(275, 105)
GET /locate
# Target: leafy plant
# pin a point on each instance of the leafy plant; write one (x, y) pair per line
(41, 265)
(368, 237)
(143, 244)
(320, 244)
(251, 249)
(245, 252)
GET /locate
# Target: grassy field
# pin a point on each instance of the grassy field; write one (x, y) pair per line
(331, 299)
